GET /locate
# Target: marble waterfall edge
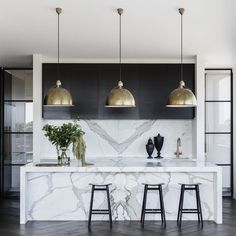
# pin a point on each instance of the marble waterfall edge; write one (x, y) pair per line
(64, 193)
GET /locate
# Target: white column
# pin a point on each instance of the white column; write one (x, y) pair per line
(37, 104)
(234, 132)
(23, 196)
(217, 183)
(199, 121)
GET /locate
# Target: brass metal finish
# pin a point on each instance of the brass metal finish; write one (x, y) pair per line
(178, 151)
(181, 11)
(182, 97)
(58, 96)
(58, 10)
(120, 11)
(120, 97)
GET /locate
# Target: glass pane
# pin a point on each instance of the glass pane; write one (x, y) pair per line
(18, 116)
(15, 180)
(18, 148)
(218, 85)
(218, 116)
(18, 85)
(218, 148)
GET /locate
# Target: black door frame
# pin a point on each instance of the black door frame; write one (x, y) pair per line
(231, 126)
(1, 131)
(2, 93)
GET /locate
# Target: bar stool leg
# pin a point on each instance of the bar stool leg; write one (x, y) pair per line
(109, 206)
(91, 208)
(181, 206)
(199, 203)
(180, 202)
(198, 207)
(142, 211)
(145, 202)
(163, 217)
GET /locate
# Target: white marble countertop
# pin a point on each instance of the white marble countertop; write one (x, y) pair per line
(128, 165)
(44, 189)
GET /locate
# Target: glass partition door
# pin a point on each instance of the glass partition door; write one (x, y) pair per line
(218, 120)
(18, 125)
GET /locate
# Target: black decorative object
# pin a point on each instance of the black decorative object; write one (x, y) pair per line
(150, 148)
(158, 140)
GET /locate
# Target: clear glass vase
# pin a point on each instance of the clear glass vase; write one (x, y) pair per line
(64, 156)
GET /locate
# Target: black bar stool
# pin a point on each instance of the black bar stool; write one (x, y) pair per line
(99, 187)
(198, 211)
(160, 210)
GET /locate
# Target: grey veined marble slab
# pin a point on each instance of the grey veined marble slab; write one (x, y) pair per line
(63, 193)
(114, 138)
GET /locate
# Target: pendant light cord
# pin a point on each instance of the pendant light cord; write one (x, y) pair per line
(181, 46)
(58, 40)
(58, 45)
(120, 55)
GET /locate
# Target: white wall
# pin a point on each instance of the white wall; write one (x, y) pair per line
(124, 137)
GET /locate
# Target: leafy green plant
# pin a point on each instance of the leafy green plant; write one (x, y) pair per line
(65, 135)
(53, 134)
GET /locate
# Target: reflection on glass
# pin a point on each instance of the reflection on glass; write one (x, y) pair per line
(18, 148)
(18, 85)
(218, 85)
(218, 148)
(18, 116)
(218, 116)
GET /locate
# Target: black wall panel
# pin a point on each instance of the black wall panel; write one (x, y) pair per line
(89, 85)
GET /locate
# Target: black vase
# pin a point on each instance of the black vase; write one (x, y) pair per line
(150, 148)
(158, 140)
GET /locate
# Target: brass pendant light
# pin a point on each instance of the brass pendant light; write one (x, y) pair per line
(182, 96)
(58, 96)
(119, 96)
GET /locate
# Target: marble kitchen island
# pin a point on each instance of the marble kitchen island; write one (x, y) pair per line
(63, 193)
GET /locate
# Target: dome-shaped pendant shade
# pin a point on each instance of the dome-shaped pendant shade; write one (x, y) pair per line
(120, 97)
(182, 97)
(58, 96)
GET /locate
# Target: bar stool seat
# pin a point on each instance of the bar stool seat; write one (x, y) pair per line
(193, 184)
(100, 187)
(101, 184)
(161, 210)
(181, 210)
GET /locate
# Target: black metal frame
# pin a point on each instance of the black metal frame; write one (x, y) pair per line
(198, 210)
(103, 187)
(1, 132)
(2, 101)
(161, 210)
(231, 128)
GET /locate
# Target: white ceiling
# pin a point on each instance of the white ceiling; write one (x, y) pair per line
(89, 29)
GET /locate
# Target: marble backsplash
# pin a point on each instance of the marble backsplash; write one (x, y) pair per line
(126, 138)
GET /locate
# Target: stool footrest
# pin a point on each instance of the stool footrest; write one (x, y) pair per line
(100, 189)
(100, 213)
(190, 211)
(100, 210)
(152, 188)
(152, 211)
